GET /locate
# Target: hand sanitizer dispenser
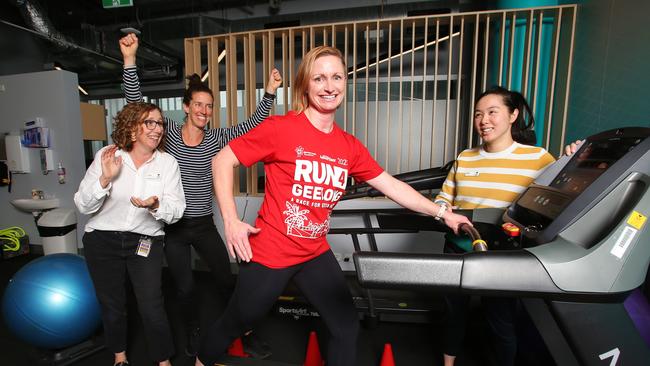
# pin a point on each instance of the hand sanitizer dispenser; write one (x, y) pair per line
(17, 155)
(47, 160)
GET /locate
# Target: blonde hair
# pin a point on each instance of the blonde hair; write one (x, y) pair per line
(301, 82)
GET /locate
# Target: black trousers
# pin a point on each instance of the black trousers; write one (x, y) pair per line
(112, 260)
(500, 313)
(258, 287)
(200, 233)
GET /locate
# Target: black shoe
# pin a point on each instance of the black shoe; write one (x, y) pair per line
(255, 347)
(193, 339)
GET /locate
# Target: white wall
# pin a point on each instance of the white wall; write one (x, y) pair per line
(53, 96)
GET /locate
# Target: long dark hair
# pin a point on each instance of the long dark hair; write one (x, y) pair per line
(522, 129)
(195, 85)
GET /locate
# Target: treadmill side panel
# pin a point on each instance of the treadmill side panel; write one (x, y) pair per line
(509, 272)
(598, 270)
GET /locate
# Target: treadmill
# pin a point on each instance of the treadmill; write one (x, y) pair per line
(584, 246)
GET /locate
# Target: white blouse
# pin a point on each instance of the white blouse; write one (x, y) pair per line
(111, 208)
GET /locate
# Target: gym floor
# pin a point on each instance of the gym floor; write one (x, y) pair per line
(413, 344)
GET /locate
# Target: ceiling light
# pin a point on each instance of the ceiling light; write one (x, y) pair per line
(82, 90)
(221, 56)
(207, 73)
(403, 53)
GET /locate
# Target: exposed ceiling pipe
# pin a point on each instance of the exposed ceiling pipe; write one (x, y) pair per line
(67, 44)
(34, 16)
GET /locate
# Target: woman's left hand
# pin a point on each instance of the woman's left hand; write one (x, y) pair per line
(151, 203)
(453, 220)
(571, 148)
(275, 80)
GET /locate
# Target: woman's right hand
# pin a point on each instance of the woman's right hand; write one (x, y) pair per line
(237, 233)
(129, 48)
(111, 165)
(453, 221)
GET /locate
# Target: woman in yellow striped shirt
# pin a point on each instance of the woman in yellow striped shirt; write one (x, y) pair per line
(491, 175)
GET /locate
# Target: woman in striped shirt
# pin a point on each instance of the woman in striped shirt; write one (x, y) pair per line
(491, 175)
(193, 145)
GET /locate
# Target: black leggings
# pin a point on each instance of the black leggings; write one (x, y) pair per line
(200, 233)
(500, 313)
(258, 287)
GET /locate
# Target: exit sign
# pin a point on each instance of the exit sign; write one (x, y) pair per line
(116, 3)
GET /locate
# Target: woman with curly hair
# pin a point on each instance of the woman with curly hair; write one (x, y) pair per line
(131, 190)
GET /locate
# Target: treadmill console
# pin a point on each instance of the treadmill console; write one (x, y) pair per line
(543, 210)
(591, 160)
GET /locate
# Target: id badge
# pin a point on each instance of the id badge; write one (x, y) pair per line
(144, 246)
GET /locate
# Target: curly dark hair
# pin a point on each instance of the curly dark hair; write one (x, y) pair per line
(128, 120)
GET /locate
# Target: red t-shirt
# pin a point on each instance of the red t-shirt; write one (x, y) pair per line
(306, 173)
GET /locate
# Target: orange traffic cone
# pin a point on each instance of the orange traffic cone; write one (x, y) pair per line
(313, 357)
(237, 349)
(387, 357)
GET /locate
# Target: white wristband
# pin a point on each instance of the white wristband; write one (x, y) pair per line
(441, 212)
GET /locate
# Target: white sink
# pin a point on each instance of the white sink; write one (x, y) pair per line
(31, 205)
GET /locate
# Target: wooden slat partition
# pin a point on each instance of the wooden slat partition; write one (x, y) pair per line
(411, 81)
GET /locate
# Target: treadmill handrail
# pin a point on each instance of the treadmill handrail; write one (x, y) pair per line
(516, 273)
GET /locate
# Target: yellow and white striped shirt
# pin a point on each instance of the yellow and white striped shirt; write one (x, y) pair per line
(480, 179)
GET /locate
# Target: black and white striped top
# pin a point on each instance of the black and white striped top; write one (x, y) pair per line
(195, 161)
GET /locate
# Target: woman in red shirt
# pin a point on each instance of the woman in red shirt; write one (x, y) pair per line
(307, 160)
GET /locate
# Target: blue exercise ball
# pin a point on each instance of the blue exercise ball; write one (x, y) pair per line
(50, 302)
